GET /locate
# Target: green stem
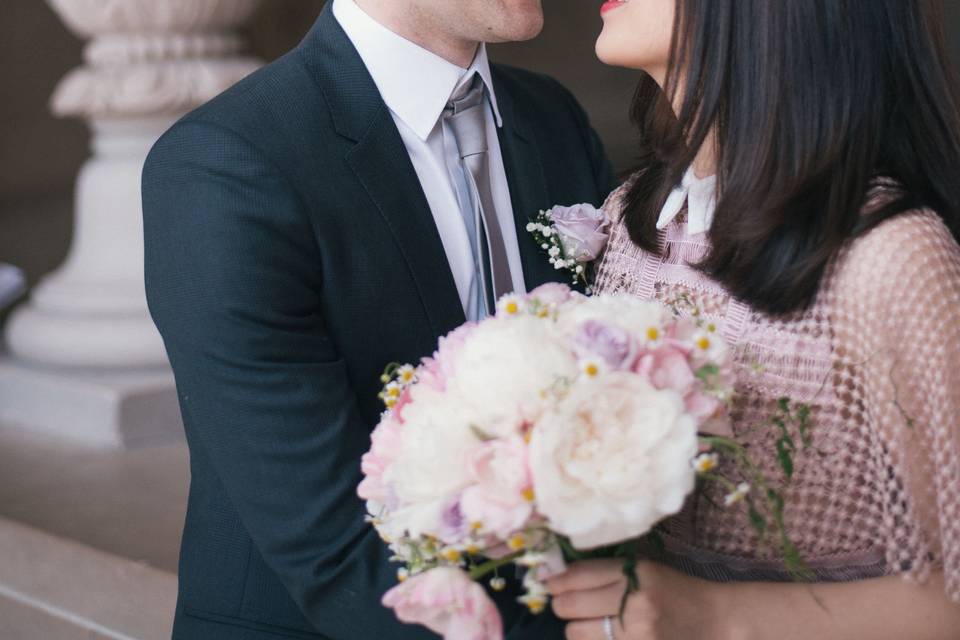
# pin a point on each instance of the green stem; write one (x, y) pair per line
(492, 565)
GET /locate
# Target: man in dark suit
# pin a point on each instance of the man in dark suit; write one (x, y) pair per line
(338, 210)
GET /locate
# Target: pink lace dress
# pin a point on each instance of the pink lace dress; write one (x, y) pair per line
(877, 358)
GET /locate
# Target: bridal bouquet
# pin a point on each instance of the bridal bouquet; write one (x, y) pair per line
(562, 424)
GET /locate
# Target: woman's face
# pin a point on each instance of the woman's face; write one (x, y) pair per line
(636, 35)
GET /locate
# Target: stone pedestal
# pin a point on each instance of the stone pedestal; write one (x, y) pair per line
(148, 63)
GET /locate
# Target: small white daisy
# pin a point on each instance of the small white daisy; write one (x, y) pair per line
(706, 462)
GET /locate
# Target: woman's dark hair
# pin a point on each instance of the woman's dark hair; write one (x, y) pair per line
(809, 101)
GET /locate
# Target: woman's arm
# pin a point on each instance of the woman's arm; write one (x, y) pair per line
(673, 606)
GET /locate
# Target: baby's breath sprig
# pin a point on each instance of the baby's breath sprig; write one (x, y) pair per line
(549, 240)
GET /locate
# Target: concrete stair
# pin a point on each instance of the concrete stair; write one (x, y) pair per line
(88, 538)
(52, 588)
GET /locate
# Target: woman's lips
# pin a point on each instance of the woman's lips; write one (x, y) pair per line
(610, 5)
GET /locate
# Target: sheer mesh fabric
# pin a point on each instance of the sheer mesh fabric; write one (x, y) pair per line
(877, 358)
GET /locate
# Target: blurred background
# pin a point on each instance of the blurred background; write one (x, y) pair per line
(93, 470)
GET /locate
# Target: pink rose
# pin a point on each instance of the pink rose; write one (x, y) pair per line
(501, 498)
(667, 367)
(385, 446)
(583, 230)
(448, 602)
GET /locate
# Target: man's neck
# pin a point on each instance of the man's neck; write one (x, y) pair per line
(416, 28)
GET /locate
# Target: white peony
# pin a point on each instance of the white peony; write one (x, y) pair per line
(505, 367)
(431, 468)
(612, 459)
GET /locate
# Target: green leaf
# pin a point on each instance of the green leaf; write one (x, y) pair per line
(570, 553)
(785, 458)
(482, 435)
(784, 405)
(707, 371)
(757, 520)
(803, 418)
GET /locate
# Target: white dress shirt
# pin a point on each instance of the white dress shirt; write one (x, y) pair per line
(416, 85)
(700, 194)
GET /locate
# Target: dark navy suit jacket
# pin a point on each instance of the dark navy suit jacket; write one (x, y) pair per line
(291, 254)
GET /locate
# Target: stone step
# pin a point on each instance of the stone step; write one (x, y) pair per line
(52, 588)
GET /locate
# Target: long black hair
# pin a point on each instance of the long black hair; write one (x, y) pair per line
(809, 101)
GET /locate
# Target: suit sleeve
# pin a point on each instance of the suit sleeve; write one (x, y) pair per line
(233, 284)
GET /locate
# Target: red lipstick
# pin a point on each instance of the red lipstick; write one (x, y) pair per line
(610, 5)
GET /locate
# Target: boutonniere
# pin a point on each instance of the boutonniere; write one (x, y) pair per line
(573, 237)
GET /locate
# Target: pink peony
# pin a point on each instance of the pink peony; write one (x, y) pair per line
(501, 499)
(434, 372)
(448, 602)
(385, 447)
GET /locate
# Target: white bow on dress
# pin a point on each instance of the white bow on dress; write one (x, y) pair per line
(700, 194)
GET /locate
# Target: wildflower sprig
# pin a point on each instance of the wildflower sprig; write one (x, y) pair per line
(396, 378)
(547, 237)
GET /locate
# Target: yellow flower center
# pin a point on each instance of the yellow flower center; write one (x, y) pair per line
(512, 308)
(653, 333)
(591, 370)
(476, 526)
(516, 543)
(536, 605)
(451, 555)
(707, 464)
(704, 343)
(528, 494)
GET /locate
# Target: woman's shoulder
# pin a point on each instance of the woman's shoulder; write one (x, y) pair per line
(616, 201)
(908, 256)
(904, 236)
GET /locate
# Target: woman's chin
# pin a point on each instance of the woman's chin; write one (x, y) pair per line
(612, 55)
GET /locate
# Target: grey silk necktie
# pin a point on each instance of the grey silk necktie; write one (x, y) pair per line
(466, 116)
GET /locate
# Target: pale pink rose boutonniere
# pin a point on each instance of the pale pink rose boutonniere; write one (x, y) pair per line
(573, 238)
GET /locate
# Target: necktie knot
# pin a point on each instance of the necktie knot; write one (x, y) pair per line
(467, 118)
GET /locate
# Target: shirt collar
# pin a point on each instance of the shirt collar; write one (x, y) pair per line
(700, 195)
(415, 84)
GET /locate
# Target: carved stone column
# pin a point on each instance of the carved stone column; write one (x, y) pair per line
(148, 62)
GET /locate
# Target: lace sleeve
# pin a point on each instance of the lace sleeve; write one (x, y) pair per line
(897, 321)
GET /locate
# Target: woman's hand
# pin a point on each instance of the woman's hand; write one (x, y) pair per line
(668, 606)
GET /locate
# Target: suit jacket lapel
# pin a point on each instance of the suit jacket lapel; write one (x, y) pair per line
(382, 165)
(527, 182)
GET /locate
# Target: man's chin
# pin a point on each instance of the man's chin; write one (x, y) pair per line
(518, 32)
